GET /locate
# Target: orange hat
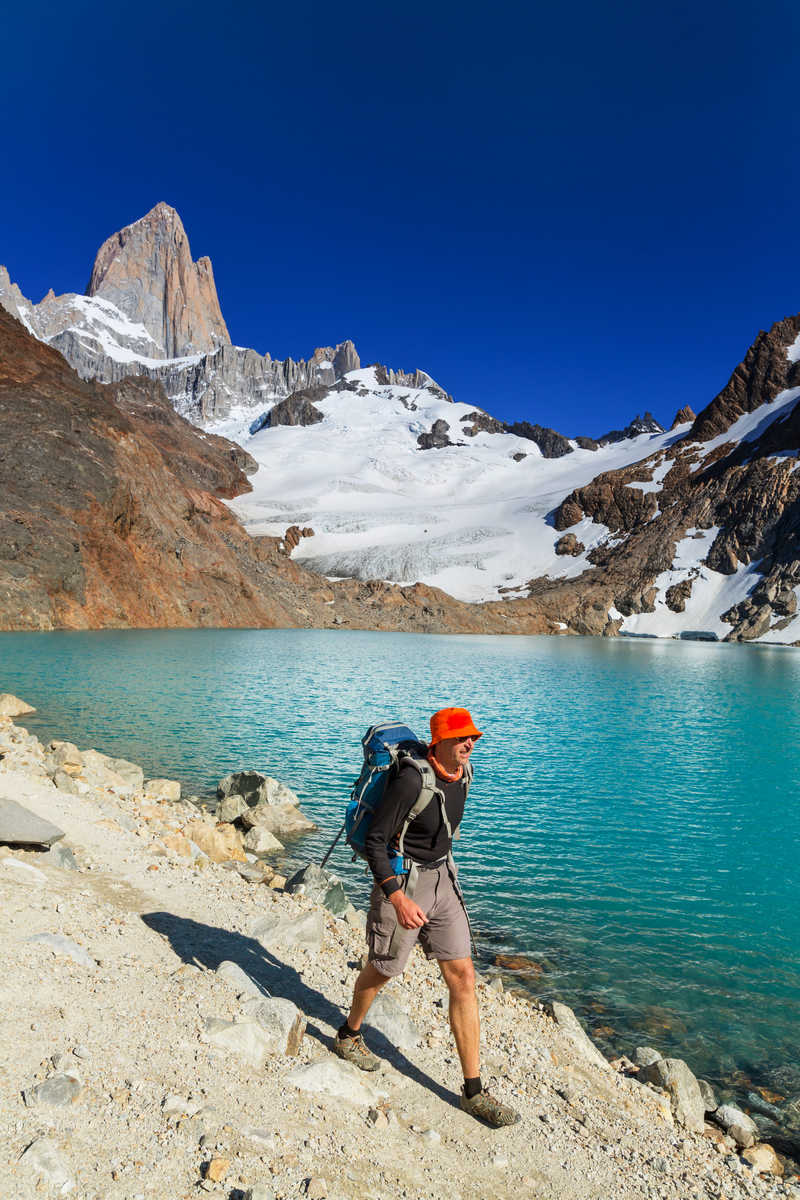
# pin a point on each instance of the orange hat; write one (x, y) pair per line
(452, 723)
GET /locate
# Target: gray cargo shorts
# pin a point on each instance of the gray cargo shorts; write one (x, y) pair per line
(444, 936)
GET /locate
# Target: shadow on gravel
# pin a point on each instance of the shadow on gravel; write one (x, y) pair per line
(208, 946)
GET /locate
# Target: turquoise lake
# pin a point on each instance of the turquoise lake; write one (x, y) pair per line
(633, 828)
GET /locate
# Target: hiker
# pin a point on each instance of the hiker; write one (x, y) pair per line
(424, 902)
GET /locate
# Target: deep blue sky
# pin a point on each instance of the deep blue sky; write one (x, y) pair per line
(565, 213)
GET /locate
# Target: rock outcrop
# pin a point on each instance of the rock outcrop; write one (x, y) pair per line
(436, 438)
(638, 426)
(298, 409)
(147, 271)
(551, 444)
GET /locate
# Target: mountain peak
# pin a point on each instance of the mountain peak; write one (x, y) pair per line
(146, 270)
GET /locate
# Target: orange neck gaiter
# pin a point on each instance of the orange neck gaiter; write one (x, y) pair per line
(449, 776)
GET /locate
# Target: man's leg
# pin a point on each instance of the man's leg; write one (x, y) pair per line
(459, 975)
(368, 984)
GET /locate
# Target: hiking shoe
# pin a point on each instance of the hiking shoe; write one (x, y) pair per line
(354, 1050)
(486, 1108)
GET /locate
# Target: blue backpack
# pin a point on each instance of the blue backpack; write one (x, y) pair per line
(387, 747)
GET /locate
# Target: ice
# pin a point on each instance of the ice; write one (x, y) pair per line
(712, 593)
(466, 518)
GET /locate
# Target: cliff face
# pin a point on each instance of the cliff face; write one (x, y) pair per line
(147, 271)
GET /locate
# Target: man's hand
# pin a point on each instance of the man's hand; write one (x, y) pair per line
(409, 914)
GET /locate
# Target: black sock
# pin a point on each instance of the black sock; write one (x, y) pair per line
(472, 1087)
(344, 1031)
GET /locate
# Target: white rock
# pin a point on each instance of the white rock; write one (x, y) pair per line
(178, 1106)
(259, 1191)
(261, 841)
(11, 706)
(742, 1128)
(66, 947)
(282, 1021)
(393, 1022)
(23, 872)
(44, 1157)
(332, 1077)
(167, 789)
(234, 975)
(246, 1039)
(306, 931)
(565, 1018)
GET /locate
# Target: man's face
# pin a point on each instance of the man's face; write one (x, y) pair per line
(456, 748)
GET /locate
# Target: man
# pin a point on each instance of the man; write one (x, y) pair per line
(424, 903)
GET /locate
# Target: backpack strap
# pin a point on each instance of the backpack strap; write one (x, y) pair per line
(467, 777)
(427, 791)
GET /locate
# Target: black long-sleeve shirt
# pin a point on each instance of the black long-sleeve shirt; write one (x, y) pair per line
(426, 838)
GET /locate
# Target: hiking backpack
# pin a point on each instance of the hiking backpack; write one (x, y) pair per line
(387, 747)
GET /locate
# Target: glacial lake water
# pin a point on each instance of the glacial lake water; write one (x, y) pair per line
(633, 828)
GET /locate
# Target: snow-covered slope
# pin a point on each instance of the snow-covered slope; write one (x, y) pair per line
(468, 518)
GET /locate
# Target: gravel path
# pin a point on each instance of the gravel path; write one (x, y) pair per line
(148, 1109)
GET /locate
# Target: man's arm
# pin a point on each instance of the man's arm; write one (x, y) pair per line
(395, 805)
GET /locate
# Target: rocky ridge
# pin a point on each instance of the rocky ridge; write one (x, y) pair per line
(730, 486)
(219, 987)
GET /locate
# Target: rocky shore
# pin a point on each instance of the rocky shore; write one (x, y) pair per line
(169, 1000)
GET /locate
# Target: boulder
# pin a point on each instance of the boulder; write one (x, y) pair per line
(231, 807)
(44, 1157)
(393, 1022)
(282, 1021)
(257, 872)
(261, 841)
(283, 820)
(643, 1056)
(566, 1019)
(12, 706)
(437, 438)
(320, 887)
(64, 756)
(165, 789)
(304, 932)
(20, 827)
(98, 772)
(178, 844)
(130, 772)
(341, 1080)
(569, 544)
(245, 1039)
(741, 1127)
(675, 1076)
(709, 1097)
(220, 844)
(65, 946)
(763, 1159)
(240, 980)
(256, 788)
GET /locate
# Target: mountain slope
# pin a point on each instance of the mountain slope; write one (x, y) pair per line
(705, 534)
(112, 516)
(469, 515)
(641, 532)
